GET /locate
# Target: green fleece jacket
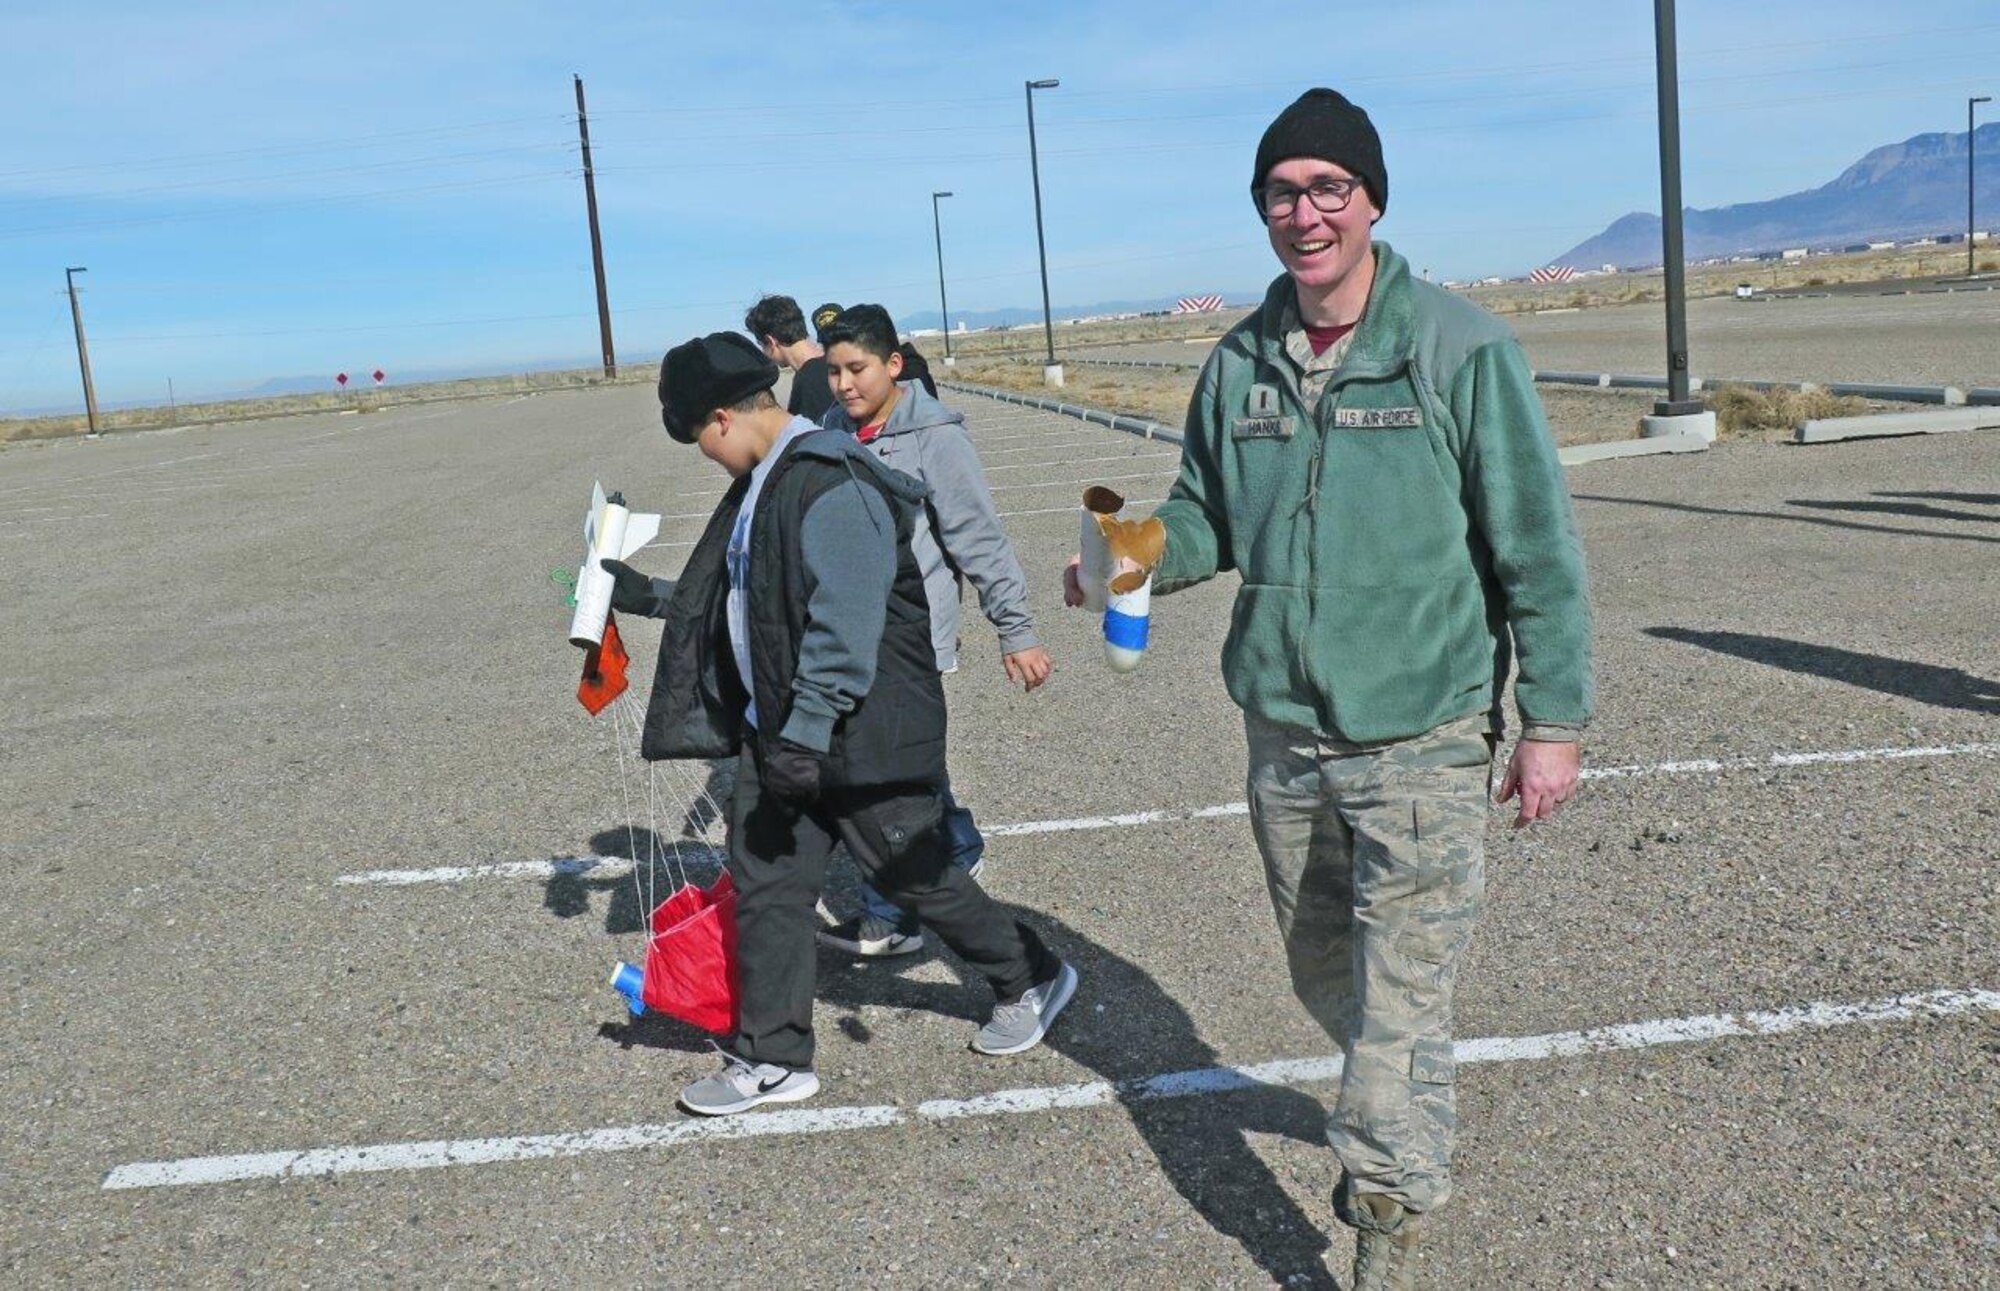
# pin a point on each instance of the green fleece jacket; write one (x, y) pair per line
(1396, 528)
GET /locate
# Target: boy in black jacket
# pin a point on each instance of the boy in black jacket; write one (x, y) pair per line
(798, 638)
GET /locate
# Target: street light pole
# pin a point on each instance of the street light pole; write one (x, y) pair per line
(1969, 105)
(944, 312)
(82, 348)
(1051, 371)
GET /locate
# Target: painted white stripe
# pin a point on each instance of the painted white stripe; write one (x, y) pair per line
(1200, 1082)
(602, 866)
(444, 1152)
(1071, 481)
(611, 866)
(1791, 760)
(1084, 461)
(1071, 509)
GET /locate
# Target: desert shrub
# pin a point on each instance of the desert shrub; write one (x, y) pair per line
(1740, 408)
(1988, 266)
(1816, 281)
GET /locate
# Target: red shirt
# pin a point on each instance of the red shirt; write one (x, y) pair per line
(1320, 338)
(867, 434)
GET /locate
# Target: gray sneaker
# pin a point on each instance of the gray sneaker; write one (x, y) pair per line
(741, 1085)
(1385, 1258)
(1021, 1025)
(871, 938)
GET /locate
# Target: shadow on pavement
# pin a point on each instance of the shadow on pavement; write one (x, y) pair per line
(1200, 1143)
(1795, 518)
(1926, 683)
(1915, 510)
(659, 868)
(1976, 499)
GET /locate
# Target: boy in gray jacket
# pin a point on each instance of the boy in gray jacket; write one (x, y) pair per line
(958, 535)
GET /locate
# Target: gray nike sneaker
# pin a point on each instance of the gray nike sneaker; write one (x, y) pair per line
(1021, 1025)
(741, 1085)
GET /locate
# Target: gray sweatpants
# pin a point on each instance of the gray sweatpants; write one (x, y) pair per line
(1375, 859)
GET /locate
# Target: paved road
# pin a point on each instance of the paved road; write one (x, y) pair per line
(246, 663)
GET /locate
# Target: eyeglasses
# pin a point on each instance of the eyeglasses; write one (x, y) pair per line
(1328, 197)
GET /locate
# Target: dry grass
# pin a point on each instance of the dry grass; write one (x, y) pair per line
(1741, 411)
(1029, 342)
(1154, 393)
(202, 414)
(1893, 265)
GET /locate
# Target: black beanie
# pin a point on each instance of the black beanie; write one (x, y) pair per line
(707, 373)
(1321, 123)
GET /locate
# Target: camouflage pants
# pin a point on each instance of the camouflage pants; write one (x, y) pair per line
(1375, 859)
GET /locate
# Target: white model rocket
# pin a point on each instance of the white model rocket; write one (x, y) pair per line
(1127, 614)
(610, 532)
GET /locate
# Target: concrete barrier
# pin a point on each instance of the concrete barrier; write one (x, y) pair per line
(1115, 421)
(1950, 396)
(1824, 430)
(1576, 454)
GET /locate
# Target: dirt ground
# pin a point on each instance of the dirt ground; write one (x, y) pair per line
(1577, 414)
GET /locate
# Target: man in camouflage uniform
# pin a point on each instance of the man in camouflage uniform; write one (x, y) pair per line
(1369, 453)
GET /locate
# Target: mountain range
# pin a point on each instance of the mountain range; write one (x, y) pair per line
(1911, 189)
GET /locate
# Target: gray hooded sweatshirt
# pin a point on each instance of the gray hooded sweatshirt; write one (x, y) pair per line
(958, 532)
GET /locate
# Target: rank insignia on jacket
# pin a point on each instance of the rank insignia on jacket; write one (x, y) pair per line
(1377, 418)
(1263, 401)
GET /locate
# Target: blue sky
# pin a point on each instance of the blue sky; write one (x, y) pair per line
(265, 190)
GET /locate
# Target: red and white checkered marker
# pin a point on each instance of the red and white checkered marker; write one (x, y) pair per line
(340, 378)
(379, 375)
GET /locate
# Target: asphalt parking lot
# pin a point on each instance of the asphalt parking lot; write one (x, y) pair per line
(317, 875)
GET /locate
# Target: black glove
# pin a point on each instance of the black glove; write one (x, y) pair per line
(631, 591)
(792, 772)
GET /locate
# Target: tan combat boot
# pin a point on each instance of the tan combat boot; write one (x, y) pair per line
(1385, 1252)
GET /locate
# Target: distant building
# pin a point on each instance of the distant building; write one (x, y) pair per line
(1793, 253)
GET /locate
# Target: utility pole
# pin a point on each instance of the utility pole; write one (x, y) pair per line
(596, 239)
(937, 230)
(82, 348)
(1052, 372)
(1677, 402)
(1969, 105)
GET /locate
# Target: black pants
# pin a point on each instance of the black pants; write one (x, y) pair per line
(777, 860)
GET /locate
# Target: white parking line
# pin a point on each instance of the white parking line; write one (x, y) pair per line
(1071, 510)
(612, 866)
(433, 1154)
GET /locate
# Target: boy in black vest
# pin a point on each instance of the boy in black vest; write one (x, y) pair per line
(798, 638)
